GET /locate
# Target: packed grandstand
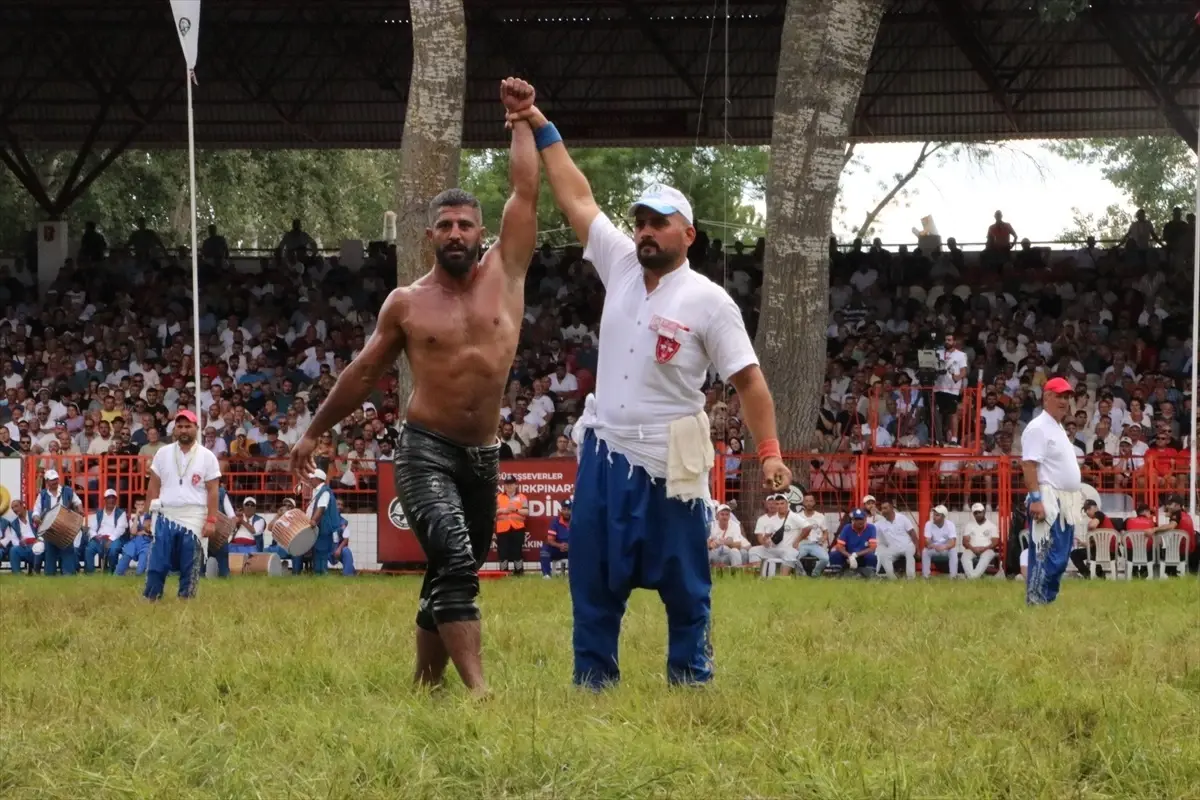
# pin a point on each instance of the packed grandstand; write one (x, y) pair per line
(95, 367)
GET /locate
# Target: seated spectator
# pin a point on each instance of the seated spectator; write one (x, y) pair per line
(897, 538)
(981, 541)
(814, 537)
(854, 550)
(777, 532)
(727, 546)
(941, 543)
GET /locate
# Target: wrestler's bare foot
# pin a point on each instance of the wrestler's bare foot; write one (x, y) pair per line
(431, 660)
(462, 641)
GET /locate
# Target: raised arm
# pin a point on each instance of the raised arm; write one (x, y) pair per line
(518, 226)
(572, 192)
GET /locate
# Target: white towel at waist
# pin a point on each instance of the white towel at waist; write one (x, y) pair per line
(650, 447)
(1061, 505)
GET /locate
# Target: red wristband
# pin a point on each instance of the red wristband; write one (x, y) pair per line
(211, 519)
(769, 449)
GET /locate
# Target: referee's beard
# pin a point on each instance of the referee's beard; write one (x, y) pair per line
(185, 438)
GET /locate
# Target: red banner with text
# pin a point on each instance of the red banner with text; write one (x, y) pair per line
(545, 483)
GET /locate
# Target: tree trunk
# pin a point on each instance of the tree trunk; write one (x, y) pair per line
(823, 55)
(433, 120)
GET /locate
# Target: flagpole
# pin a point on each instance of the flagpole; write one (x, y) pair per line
(1194, 447)
(195, 254)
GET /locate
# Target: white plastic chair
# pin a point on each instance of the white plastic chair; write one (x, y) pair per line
(1102, 542)
(1173, 548)
(1139, 552)
(770, 566)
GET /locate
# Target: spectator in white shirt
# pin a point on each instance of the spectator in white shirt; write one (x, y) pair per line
(814, 537)
(897, 539)
(563, 383)
(726, 543)
(777, 532)
(941, 542)
(980, 540)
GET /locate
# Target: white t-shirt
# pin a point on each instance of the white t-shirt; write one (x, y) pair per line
(939, 536)
(768, 524)
(109, 524)
(955, 362)
(980, 534)
(1045, 442)
(258, 527)
(894, 534)
(819, 525)
(992, 417)
(728, 536)
(184, 476)
(315, 503)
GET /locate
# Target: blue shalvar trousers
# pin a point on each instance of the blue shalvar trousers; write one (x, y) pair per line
(1048, 562)
(97, 548)
(64, 559)
(21, 555)
(174, 548)
(626, 534)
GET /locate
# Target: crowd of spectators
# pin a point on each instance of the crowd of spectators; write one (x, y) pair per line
(98, 363)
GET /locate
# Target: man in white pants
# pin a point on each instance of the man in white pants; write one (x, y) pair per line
(777, 532)
(814, 536)
(897, 538)
(941, 542)
(980, 540)
(726, 544)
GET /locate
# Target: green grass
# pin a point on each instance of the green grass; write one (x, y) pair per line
(282, 688)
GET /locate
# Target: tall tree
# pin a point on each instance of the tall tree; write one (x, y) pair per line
(433, 120)
(1156, 173)
(823, 55)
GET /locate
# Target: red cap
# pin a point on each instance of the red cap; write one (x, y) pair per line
(1058, 386)
(187, 414)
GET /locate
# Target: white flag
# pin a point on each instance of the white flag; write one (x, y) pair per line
(187, 25)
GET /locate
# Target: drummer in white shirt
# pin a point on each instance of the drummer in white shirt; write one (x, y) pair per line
(25, 548)
(897, 538)
(248, 538)
(941, 542)
(782, 524)
(814, 536)
(726, 543)
(980, 540)
(107, 526)
(52, 496)
(182, 492)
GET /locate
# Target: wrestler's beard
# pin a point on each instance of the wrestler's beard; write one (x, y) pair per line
(654, 258)
(457, 262)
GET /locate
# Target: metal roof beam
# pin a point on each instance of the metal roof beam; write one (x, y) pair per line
(968, 42)
(1110, 26)
(663, 49)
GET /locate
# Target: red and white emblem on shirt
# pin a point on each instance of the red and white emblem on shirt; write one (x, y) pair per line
(666, 349)
(195, 479)
(668, 337)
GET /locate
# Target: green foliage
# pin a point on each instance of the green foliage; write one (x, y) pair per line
(253, 196)
(723, 185)
(1156, 173)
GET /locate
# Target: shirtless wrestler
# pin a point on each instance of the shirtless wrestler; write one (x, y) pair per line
(458, 325)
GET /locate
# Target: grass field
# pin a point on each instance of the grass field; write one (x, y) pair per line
(280, 688)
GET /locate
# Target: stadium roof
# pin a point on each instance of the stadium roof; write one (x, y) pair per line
(334, 73)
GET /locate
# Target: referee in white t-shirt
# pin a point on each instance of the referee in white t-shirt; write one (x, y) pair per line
(1055, 500)
(184, 479)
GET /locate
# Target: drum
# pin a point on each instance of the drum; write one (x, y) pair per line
(226, 527)
(293, 531)
(261, 564)
(60, 526)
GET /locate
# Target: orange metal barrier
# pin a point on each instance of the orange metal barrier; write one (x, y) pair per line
(267, 480)
(917, 406)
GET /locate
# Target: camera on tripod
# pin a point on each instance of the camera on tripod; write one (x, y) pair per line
(930, 363)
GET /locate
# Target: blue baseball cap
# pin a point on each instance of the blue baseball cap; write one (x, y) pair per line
(858, 513)
(664, 200)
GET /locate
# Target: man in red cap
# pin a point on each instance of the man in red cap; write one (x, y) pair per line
(182, 494)
(1055, 499)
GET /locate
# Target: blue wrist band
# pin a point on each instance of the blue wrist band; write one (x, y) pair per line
(1034, 497)
(546, 135)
